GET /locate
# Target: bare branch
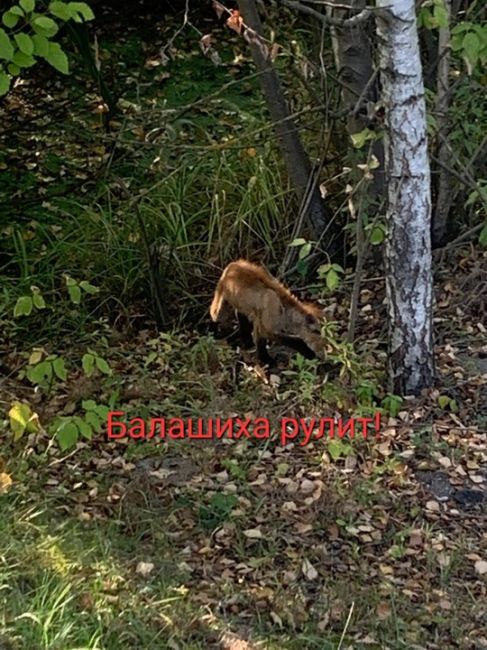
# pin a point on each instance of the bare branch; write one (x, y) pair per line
(361, 17)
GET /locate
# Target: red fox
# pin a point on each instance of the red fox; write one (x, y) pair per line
(266, 307)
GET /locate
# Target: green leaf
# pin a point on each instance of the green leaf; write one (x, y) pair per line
(102, 411)
(75, 294)
(39, 301)
(4, 83)
(89, 404)
(45, 26)
(23, 60)
(60, 10)
(323, 270)
(471, 47)
(360, 138)
(83, 9)
(84, 428)
(17, 11)
(60, 369)
(461, 27)
(298, 242)
(67, 434)
(336, 449)
(41, 45)
(13, 69)
(89, 288)
(24, 43)
(27, 5)
(443, 401)
(9, 19)
(441, 16)
(94, 421)
(377, 235)
(305, 251)
(41, 373)
(6, 47)
(88, 363)
(483, 236)
(23, 306)
(332, 279)
(57, 58)
(103, 366)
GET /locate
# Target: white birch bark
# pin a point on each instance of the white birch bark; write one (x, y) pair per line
(408, 241)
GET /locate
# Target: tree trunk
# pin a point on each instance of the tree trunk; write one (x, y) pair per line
(408, 242)
(353, 59)
(444, 189)
(297, 162)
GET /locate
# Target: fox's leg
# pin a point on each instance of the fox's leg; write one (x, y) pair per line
(261, 343)
(299, 345)
(245, 330)
(262, 353)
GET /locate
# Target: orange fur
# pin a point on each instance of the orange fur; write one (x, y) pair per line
(272, 309)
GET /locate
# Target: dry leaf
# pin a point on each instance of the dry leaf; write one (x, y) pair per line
(144, 569)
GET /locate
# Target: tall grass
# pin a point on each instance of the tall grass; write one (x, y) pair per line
(216, 205)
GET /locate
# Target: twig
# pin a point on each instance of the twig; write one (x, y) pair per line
(358, 19)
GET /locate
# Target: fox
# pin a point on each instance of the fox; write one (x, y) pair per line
(266, 311)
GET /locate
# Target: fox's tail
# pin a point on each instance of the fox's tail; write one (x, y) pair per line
(217, 303)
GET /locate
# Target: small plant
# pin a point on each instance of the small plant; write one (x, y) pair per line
(304, 372)
(76, 289)
(25, 304)
(342, 352)
(305, 248)
(68, 430)
(217, 511)
(391, 404)
(92, 361)
(43, 372)
(332, 274)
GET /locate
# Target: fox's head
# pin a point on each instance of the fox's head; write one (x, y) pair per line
(305, 324)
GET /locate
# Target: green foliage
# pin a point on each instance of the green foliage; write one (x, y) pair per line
(21, 49)
(76, 289)
(339, 449)
(361, 138)
(391, 404)
(92, 361)
(25, 304)
(433, 15)
(68, 430)
(469, 40)
(445, 402)
(44, 372)
(217, 511)
(331, 273)
(377, 233)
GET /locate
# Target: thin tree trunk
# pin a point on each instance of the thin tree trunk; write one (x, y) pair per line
(408, 242)
(297, 162)
(444, 189)
(353, 59)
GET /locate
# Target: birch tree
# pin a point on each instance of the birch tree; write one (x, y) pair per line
(408, 241)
